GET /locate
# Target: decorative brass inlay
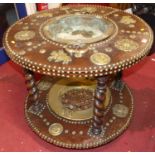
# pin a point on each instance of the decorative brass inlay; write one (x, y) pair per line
(66, 9)
(132, 36)
(120, 110)
(42, 51)
(59, 56)
(46, 14)
(25, 27)
(131, 25)
(29, 43)
(63, 86)
(34, 20)
(24, 35)
(36, 109)
(41, 67)
(100, 58)
(22, 52)
(29, 49)
(77, 49)
(127, 20)
(89, 9)
(13, 51)
(43, 85)
(126, 45)
(81, 128)
(55, 129)
(116, 15)
(108, 49)
(78, 99)
(13, 42)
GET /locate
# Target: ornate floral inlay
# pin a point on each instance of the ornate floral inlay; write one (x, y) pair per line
(126, 45)
(24, 35)
(127, 20)
(78, 99)
(59, 56)
(25, 27)
(100, 58)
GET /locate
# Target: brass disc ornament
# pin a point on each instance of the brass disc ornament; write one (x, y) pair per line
(72, 111)
(55, 129)
(24, 35)
(126, 45)
(100, 58)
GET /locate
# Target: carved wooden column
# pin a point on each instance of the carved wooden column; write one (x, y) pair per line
(99, 105)
(36, 107)
(31, 86)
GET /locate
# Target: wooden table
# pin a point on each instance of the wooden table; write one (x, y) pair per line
(78, 104)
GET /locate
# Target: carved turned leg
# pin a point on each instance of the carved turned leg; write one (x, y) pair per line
(98, 105)
(31, 86)
(37, 107)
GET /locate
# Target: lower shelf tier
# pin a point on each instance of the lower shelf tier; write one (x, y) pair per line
(59, 119)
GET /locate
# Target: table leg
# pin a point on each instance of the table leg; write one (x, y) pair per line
(98, 105)
(118, 84)
(107, 123)
(31, 86)
(36, 107)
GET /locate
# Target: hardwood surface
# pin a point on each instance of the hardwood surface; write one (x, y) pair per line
(130, 40)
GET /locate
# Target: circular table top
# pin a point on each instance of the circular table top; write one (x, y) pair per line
(78, 41)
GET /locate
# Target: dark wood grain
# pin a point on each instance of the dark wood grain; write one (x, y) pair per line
(98, 105)
(31, 85)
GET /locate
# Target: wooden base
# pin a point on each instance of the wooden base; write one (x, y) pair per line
(77, 134)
